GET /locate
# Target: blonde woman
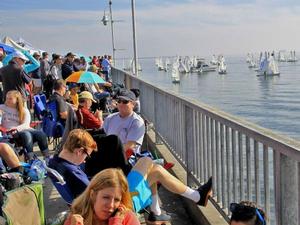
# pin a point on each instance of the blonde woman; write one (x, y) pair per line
(105, 201)
(17, 117)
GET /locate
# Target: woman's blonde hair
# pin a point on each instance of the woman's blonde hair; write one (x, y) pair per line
(20, 104)
(84, 204)
(79, 138)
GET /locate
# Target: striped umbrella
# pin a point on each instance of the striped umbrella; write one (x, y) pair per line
(85, 77)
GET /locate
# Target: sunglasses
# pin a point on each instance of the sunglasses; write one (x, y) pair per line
(86, 152)
(123, 101)
(251, 211)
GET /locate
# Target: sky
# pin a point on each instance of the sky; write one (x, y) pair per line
(164, 27)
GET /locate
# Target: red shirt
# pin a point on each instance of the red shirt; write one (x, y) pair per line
(87, 119)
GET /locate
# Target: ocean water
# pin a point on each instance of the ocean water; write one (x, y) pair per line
(271, 102)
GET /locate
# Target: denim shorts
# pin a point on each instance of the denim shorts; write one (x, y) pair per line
(140, 190)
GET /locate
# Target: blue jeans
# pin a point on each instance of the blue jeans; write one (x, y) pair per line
(30, 136)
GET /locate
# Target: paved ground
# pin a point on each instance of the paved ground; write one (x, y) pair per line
(171, 203)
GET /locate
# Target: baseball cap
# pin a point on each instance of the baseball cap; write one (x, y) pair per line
(70, 54)
(127, 95)
(87, 95)
(20, 55)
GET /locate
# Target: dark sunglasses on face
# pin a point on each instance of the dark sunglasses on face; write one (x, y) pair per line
(86, 152)
(123, 101)
(237, 208)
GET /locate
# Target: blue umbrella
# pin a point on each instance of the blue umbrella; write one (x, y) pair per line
(8, 49)
(85, 77)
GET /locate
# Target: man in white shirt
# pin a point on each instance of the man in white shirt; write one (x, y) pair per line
(126, 124)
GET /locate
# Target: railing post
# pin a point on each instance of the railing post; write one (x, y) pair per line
(289, 207)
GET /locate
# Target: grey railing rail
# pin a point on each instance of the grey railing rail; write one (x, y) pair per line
(247, 162)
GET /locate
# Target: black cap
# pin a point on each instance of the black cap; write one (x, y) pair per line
(127, 95)
(70, 54)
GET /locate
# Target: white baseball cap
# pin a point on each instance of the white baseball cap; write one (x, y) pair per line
(20, 55)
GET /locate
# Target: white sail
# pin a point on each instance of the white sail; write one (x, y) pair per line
(272, 66)
(175, 73)
(222, 68)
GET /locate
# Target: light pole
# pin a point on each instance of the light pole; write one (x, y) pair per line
(135, 57)
(105, 21)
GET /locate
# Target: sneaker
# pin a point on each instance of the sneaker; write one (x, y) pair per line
(157, 220)
(205, 192)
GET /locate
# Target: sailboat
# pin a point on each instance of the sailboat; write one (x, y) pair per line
(292, 57)
(222, 68)
(268, 66)
(175, 73)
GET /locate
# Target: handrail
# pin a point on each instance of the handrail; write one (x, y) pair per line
(247, 162)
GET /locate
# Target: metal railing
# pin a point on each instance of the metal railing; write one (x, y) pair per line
(247, 162)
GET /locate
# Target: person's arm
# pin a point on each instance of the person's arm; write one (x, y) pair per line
(135, 134)
(6, 60)
(26, 122)
(90, 121)
(129, 145)
(33, 65)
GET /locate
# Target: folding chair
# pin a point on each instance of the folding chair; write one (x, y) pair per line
(60, 185)
(51, 125)
(39, 105)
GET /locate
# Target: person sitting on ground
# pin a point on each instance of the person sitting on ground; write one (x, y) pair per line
(87, 119)
(246, 213)
(17, 117)
(8, 155)
(106, 200)
(60, 88)
(125, 123)
(142, 179)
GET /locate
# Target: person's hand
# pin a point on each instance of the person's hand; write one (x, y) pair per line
(120, 212)
(76, 219)
(98, 114)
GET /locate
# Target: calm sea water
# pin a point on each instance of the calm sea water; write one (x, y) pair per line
(272, 102)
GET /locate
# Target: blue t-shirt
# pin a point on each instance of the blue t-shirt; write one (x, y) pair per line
(75, 177)
(131, 128)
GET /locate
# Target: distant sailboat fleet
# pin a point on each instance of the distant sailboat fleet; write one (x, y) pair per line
(264, 64)
(267, 63)
(184, 65)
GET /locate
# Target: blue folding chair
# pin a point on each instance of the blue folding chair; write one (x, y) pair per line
(39, 105)
(51, 125)
(60, 185)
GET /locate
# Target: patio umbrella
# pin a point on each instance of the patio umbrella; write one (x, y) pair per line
(8, 49)
(85, 77)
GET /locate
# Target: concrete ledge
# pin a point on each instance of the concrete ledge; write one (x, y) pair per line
(200, 215)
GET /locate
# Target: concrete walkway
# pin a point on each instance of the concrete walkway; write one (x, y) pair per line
(171, 203)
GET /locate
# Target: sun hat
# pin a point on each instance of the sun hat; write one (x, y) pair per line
(20, 55)
(127, 95)
(87, 95)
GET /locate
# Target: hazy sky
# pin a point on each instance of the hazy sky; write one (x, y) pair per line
(164, 27)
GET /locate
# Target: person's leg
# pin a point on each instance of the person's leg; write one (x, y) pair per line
(41, 138)
(27, 143)
(154, 173)
(9, 156)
